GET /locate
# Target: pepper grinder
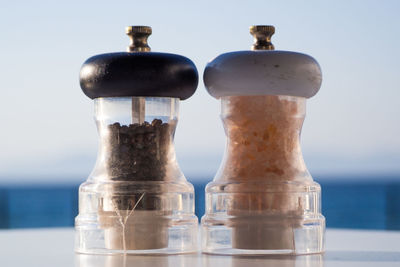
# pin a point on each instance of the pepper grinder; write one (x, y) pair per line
(137, 200)
(263, 200)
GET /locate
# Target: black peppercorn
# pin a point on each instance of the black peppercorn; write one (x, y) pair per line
(138, 152)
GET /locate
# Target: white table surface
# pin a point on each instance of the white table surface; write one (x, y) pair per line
(54, 247)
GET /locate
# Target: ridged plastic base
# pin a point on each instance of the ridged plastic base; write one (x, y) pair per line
(180, 238)
(262, 219)
(263, 238)
(136, 218)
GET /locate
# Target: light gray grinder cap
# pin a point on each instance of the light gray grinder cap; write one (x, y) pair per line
(263, 71)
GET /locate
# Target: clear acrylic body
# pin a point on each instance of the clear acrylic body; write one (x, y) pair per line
(263, 200)
(136, 200)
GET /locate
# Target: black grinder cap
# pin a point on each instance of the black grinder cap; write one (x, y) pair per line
(138, 72)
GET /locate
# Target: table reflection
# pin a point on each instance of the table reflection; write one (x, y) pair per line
(197, 260)
(278, 260)
(137, 260)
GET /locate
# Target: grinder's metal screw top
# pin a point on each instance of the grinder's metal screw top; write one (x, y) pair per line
(262, 37)
(138, 36)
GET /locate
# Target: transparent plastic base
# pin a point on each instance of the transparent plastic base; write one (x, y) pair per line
(136, 218)
(178, 239)
(242, 219)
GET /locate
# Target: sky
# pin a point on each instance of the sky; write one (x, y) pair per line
(48, 133)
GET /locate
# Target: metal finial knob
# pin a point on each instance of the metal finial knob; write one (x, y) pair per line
(138, 36)
(262, 37)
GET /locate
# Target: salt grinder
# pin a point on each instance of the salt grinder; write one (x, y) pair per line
(263, 200)
(137, 200)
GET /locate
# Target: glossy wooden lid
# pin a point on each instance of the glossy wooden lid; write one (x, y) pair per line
(263, 71)
(138, 72)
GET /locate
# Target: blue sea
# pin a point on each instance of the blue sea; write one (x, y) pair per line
(348, 202)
